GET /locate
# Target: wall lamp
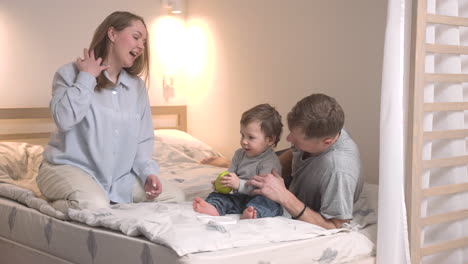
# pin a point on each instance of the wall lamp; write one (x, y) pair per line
(173, 6)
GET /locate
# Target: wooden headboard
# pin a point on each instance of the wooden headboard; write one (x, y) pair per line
(34, 125)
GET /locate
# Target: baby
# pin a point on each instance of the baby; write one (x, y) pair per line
(260, 129)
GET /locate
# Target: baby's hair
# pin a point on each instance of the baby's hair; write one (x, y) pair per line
(318, 115)
(269, 118)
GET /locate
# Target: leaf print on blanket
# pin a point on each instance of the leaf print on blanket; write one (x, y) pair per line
(12, 218)
(48, 231)
(328, 256)
(146, 255)
(92, 245)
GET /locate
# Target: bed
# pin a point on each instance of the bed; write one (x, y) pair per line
(32, 232)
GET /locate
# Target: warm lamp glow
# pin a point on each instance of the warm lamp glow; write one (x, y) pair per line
(197, 50)
(200, 59)
(182, 52)
(3, 47)
(167, 40)
(167, 43)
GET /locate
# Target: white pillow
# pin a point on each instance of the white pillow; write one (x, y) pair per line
(366, 207)
(183, 142)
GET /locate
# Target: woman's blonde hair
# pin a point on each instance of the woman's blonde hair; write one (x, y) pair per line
(100, 44)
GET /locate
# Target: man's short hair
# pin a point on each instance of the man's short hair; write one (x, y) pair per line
(269, 118)
(318, 115)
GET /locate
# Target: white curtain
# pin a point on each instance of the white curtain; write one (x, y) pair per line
(392, 245)
(392, 234)
(445, 92)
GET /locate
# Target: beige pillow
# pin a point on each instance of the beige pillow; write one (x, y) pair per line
(183, 142)
(19, 164)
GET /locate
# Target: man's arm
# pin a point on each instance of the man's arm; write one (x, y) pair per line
(286, 166)
(272, 186)
(294, 206)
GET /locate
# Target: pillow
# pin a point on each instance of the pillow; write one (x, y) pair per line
(183, 142)
(366, 207)
(19, 164)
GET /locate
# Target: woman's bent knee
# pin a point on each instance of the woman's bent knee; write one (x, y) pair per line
(67, 186)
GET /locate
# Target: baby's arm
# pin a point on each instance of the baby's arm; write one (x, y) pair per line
(244, 188)
(286, 165)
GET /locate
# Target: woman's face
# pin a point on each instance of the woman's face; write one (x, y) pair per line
(128, 44)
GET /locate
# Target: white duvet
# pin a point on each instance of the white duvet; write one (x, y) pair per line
(185, 231)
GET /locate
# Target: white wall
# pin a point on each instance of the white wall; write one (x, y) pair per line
(247, 52)
(37, 37)
(279, 51)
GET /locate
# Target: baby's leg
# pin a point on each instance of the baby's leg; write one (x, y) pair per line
(265, 207)
(201, 206)
(249, 213)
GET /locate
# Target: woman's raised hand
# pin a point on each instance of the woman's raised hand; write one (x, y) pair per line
(90, 64)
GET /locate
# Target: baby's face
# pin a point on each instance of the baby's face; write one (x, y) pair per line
(253, 140)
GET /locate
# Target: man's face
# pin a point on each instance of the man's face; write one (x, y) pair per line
(313, 145)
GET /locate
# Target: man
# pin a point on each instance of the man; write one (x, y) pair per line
(322, 169)
(321, 173)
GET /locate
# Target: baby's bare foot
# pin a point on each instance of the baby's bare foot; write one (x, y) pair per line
(201, 206)
(249, 213)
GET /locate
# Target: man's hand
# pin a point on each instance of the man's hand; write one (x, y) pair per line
(270, 185)
(153, 187)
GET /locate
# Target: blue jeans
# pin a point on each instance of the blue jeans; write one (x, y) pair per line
(237, 202)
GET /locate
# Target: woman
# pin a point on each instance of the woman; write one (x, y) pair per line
(101, 152)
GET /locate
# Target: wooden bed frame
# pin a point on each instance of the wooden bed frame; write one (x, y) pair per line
(415, 193)
(164, 117)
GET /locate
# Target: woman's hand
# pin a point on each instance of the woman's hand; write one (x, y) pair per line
(270, 185)
(153, 187)
(230, 180)
(90, 64)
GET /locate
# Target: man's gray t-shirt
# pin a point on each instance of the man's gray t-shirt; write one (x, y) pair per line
(331, 182)
(247, 167)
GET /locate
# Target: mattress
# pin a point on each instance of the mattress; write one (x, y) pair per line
(57, 241)
(30, 236)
